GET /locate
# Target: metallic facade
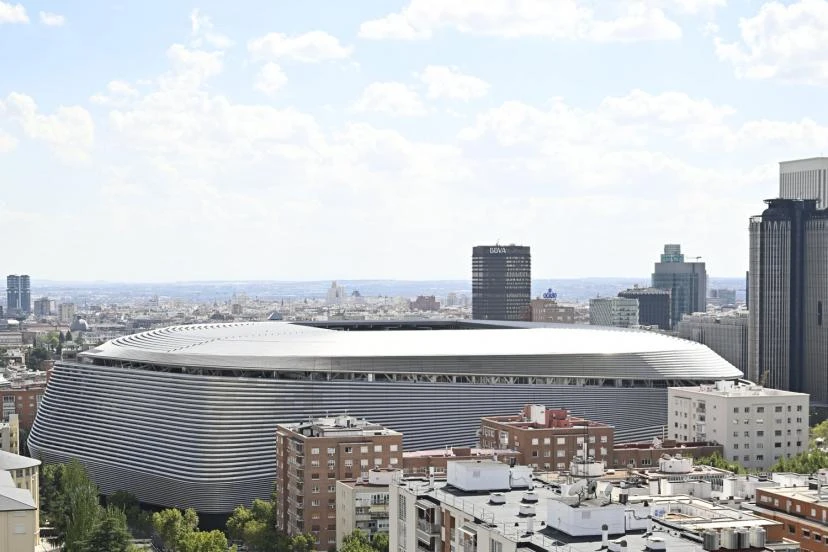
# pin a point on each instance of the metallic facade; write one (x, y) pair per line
(18, 294)
(186, 416)
(788, 284)
(805, 179)
(501, 282)
(687, 283)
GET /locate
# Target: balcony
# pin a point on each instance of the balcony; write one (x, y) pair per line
(427, 527)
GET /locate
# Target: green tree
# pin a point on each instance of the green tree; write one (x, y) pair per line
(80, 505)
(173, 526)
(717, 461)
(110, 533)
(806, 462)
(138, 521)
(256, 528)
(203, 541)
(357, 541)
(379, 542)
(68, 335)
(302, 543)
(36, 356)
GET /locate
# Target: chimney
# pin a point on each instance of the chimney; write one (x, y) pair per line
(604, 536)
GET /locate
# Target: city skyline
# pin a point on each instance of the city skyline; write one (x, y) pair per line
(272, 142)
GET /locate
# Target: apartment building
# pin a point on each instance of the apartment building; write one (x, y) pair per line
(620, 312)
(547, 439)
(424, 462)
(549, 311)
(10, 435)
(363, 504)
(756, 426)
(22, 399)
(803, 511)
(649, 453)
(311, 456)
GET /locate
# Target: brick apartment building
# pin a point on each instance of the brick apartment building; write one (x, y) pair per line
(547, 439)
(421, 461)
(311, 457)
(648, 453)
(803, 511)
(24, 401)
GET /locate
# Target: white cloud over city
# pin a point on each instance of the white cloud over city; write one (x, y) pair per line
(388, 148)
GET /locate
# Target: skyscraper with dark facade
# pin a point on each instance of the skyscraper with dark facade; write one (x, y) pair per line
(501, 282)
(18, 294)
(788, 289)
(687, 282)
(653, 305)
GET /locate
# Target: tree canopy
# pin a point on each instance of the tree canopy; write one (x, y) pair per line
(179, 532)
(716, 460)
(110, 533)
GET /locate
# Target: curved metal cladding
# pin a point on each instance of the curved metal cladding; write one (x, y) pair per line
(175, 436)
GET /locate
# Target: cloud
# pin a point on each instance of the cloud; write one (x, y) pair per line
(7, 142)
(391, 98)
(621, 21)
(311, 47)
(118, 92)
(202, 31)
(70, 131)
(786, 42)
(449, 82)
(12, 13)
(270, 78)
(52, 19)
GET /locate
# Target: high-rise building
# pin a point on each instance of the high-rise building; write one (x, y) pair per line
(44, 307)
(501, 282)
(549, 311)
(613, 311)
(726, 334)
(66, 313)
(336, 294)
(788, 339)
(687, 282)
(311, 456)
(805, 179)
(18, 294)
(653, 305)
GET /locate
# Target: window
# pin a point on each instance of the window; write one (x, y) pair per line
(393, 448)
(747, 433)
(363, 449)
(603, 438)
(331, 451)
(760, 409)
(349, 463)
(363, 462)
(736, 410)
(760, 433)
(547, 440)
(349, 450)
(760, 457)
(378, 461)
(746, 458)
(561, 453)
(535, 453)
(331, 463)
(736, 446)
(314, 463)
(777, 409)
(777, 445)
(315, 489)
(747, 410)
(394, 461)
(777, 433)
(547, 453)
(592, 438)
(377, 448)
(735, 433)
(331, 488)
(736, 458)
(535, 441)
(314, 476)
(315, 502)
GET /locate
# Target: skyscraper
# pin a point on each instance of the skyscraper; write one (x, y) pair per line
(805, 179)
(687, 282)
(788, 282)
(18, 294)
(653, 305)
(501, 282)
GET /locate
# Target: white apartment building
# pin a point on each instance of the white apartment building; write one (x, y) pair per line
(613, 311)
(363, 504)
(755, 425)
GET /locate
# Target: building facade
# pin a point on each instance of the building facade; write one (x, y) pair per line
(501, 282)
(66, 313)
(426, 303)
(44, 307)
(757, 426)
(548, 310)
(312, 456)
(686, 281)
(546, 438)
(653, 305)
(805, 179)
(424, 462)
(648, 453)
(788, 338)
(725, 333)
(363, 504)
(24, 401)
(803, 511)
(613, 311)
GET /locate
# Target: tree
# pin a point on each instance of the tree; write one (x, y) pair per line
(379, 542)
(256, 528)
(138, 521)
(204, 541)
(80, 505)
(68, 335)
(717, 461)
(36, 356)
(302, 543)
(357, 541)
(806, 462)
(110, 534)
(173, 526)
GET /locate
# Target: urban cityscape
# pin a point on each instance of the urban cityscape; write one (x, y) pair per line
(159, 394)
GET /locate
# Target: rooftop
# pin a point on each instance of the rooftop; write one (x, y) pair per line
(338, 426)
(11, 461)
(737, 389)
(534, 349)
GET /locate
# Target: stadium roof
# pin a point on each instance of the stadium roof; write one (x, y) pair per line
(495, 348)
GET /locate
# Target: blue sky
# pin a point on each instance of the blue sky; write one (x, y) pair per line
(158, 141)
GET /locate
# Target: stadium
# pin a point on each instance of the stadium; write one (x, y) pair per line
(185, 416)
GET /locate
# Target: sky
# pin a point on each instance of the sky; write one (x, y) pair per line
(380, 139)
